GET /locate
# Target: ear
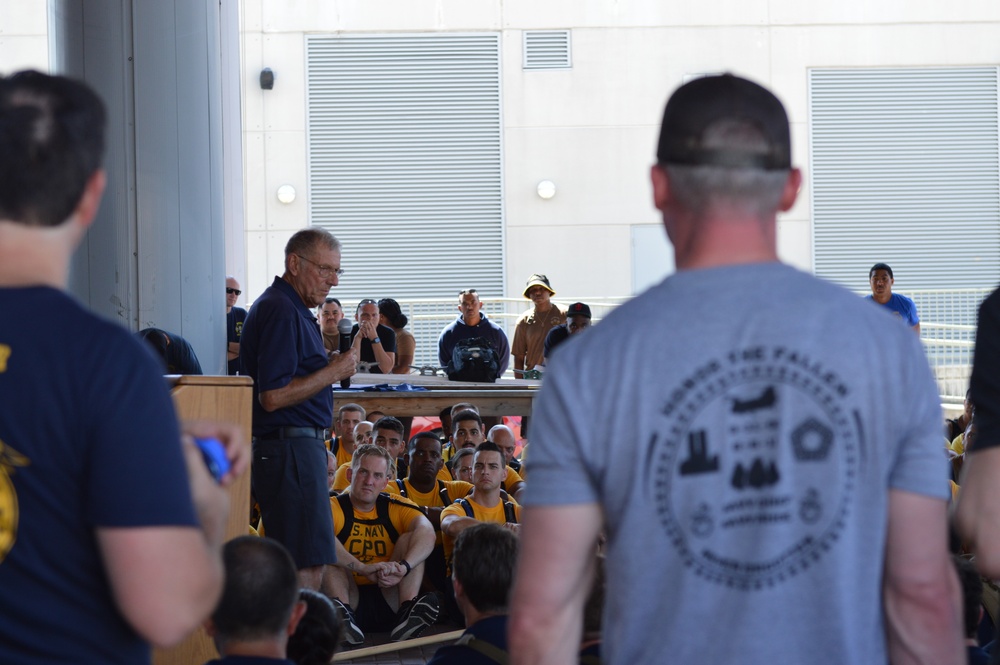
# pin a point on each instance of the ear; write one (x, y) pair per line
(90, 200)
(457, 587)
(791, 191)
(350, 475)
(298, 612)
(661, 186)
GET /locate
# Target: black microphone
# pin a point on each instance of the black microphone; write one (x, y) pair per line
(344, 327)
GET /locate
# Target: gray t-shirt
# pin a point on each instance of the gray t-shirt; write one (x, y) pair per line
(740, 428)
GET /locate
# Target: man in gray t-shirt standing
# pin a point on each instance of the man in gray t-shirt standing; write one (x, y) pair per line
(780, 477)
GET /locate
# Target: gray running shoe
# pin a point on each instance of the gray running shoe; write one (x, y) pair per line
(352, 634)
(415, 616)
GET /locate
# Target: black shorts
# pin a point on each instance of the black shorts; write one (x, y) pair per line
(290, 483)
(373, 612)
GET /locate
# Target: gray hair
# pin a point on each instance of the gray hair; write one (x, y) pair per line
(756, 192)
(306, 239)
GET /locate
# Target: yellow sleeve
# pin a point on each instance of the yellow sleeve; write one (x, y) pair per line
(458, 489)
(512, 478)
(444, 474)
(338, 515)
(453, 509)
(402, 512)
(340, 481)
(958, 444)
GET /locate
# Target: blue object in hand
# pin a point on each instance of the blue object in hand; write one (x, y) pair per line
(214, 454)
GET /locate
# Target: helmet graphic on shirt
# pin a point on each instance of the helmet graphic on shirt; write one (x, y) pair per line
(9, 458)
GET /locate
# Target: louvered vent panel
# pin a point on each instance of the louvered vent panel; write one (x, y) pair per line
(905, 170)
(547, 49)
(405, 161)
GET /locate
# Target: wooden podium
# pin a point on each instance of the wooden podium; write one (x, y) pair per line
(223, 399)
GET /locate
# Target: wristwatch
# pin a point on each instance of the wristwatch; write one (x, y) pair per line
(376, 340)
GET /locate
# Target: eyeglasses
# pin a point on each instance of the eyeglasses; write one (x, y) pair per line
(324, 271)
(232, 291)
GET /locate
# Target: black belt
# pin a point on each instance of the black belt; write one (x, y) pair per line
(295, 433)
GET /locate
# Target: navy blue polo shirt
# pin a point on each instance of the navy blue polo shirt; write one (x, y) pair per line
(282, 340)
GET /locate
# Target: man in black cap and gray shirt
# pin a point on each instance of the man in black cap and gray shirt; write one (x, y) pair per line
(776, 466)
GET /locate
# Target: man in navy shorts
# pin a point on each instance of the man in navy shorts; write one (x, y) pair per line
(282, 350)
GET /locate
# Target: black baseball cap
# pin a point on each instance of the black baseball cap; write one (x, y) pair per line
(578, 309)
(713, 101)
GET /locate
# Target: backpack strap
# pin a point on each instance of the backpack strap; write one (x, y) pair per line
(402, 487)
(347, 508)
(508, 512)
(382, 510)
(466, 506)
(443, 491)
(494, 653)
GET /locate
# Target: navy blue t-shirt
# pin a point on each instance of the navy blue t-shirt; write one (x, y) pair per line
(492, 629)
(234, 330)
(281, 340)
(88, 438)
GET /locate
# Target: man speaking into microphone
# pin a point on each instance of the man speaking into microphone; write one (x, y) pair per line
(282, 350)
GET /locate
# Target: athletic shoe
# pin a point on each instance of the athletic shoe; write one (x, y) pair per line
(352, 634)
(415, 616)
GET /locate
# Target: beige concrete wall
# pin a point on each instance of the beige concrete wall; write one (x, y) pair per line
(591, 129)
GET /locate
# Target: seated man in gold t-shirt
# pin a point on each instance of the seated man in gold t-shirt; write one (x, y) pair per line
(485, 504)
(382, 543)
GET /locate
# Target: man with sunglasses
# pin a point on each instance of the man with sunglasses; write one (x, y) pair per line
(235, 316)
(282, 350)
(371, 341)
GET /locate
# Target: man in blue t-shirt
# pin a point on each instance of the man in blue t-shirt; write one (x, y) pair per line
(482, 574)
(235, 316)
(282, 351)
(110, 528)
(260, 607)
(880, 278)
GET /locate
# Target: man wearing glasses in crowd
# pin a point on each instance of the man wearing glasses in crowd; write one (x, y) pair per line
(282, 350)
(372, 342)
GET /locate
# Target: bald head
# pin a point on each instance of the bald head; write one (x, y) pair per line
(504, 439)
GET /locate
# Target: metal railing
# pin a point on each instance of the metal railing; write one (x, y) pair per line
(429, 317)
(947, 329)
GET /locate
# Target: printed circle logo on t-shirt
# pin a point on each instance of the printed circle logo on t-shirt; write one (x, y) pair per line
(9, 512)
(753, 472)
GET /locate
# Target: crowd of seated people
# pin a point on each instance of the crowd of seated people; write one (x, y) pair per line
(414, 499)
